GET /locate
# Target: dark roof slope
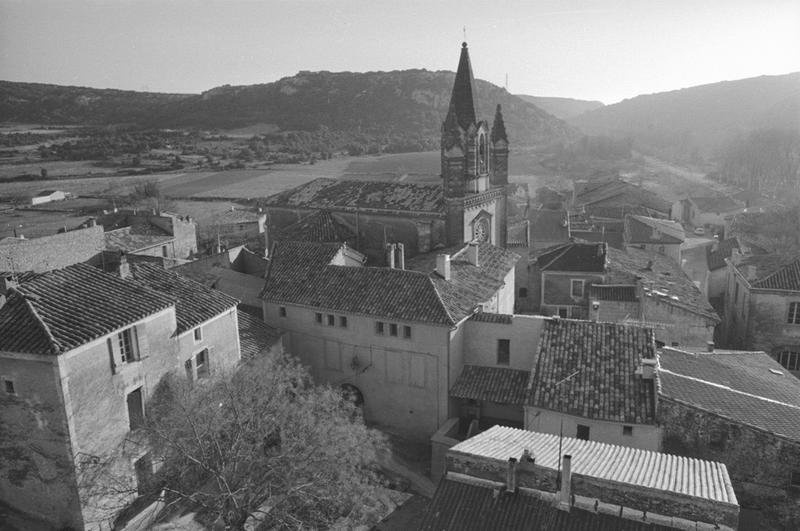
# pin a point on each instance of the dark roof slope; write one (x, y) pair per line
(644, 229)
(495, 384)
(63, 309)
(318, 227)
(196, 303)
(466, 506)
(332, 194)
(461, 100)
(572, 256)
(607, 356)
(715, 258)
(603, 292)
(785, 278)
(549, 225)
(255, 335)
(718, 204)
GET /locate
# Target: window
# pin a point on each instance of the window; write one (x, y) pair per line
(393, 329)
(379, 327)
(318, 317)
(717, 439)
(164, 252)
(503, 351)
(201, 364)
(331, 320)
(563, 312)
(523, 293)
(135, 408)
(8, 385)
(128, 347)
(198, 334)
(576, 288)
(789, 359)
(282, 311)
(407, 332)
(794, 313)
(583, 432)
(343, 321)
(627, 430)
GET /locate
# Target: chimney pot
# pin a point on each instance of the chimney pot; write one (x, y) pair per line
(401, 256)
(391, 249)
(710, 346)
(472, 254)
(565, 494)
(443, 265)
(124, 267)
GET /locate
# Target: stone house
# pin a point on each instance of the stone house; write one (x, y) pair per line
(653, 234)
(762, 307)
(716, 277)
(51, 252)
(707, 212)
(469, 204)
(512, 479)
(236, 226)
(81, 351)
(741, 409)
(595, 381)
(614, 198)
(395, 337)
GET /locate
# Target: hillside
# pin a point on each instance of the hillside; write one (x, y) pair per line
(409, 103)
(697, 121)
(562, 108)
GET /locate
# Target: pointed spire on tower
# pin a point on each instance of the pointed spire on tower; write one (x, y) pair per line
(499, 126)
(464, 91)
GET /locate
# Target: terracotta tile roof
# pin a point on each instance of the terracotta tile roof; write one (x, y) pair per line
(495, 384)
(125, 240)
(616, 192)
(318, 227)
(614, 293)
(644, 469)
(300, 274)
(255, 336)
(607, 356)
(774, 417)
(746, 371)
(718, 204)
(41, 315)
(459, 505)
(584, 257)
(643, 229)
(196, 303)
(332, 194)
(550, 226)
(517, 235)
(785, 278)
(660, 277)
(715, 259)
(488, 317)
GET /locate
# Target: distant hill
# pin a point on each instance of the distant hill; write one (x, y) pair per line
(562, 108)
(699, 119)
(372, 104)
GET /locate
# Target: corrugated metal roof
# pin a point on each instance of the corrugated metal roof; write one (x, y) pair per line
(642, 468)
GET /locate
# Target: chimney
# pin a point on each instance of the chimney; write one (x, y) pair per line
(594, 311)
(401, 256)
(648, 368)
(511, 475)
(443, 265)
(565, 493)
(124, 267)
(266, 241)
(649, 266)
(391, 249)
(92, 222)
(710, 346)
(472, 254)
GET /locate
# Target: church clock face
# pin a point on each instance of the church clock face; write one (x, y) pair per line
(480, 230)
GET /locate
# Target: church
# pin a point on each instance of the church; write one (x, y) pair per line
(469, 204)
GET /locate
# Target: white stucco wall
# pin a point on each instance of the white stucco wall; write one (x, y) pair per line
(480, 345)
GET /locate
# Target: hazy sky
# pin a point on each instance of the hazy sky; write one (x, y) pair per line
(606, 50)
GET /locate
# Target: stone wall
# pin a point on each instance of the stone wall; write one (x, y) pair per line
(760, 464)
(52, 252)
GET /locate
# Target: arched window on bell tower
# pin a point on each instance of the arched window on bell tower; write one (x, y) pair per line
(483, 155)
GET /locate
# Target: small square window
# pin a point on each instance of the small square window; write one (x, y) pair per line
(407, 332)
(523, 293)
(393, 329)
(8, 385)
(379, 327)
(717, 439)
(198, 334)
(563, 313)
(583, 432)
(282, 311)
(318, 317)
(576, 288)
(627, 430)
(503, 351)
(343, 321)
(331, 320)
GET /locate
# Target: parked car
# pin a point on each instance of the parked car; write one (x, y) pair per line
(700, 231)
